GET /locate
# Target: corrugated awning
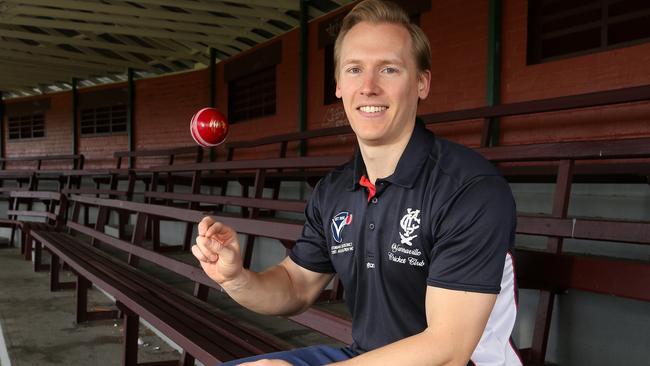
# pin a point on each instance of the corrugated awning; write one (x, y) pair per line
(44, 44)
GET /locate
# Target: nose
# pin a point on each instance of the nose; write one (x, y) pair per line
(369, 85)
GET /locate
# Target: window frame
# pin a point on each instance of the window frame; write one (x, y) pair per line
(20, 119)
(250, 90)
(535, 37)
(115, 115)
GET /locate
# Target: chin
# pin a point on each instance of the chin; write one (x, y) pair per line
(366, 134)
(371, 139)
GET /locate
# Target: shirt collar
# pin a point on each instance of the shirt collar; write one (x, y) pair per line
(410, 163)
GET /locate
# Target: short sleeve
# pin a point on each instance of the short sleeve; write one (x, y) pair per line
(472, 236)
(311, 250)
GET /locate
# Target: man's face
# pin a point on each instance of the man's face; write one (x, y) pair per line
(379, 83)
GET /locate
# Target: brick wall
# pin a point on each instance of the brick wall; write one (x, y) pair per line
(58, 131)
(619, 68)
(98, 150)
(458, 34)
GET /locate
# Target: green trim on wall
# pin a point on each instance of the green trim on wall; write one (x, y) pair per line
(303, 88)
(494, 68)
(130, 114)
(75, 117)
(2, 126)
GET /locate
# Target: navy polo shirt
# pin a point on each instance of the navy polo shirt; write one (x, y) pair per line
(445, 218)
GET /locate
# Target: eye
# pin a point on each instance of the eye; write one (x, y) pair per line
(353, 70)
(390, 70)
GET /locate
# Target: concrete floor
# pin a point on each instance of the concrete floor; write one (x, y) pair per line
(39, 326)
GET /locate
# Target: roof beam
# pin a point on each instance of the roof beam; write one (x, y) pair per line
(197, 51)
(20, 92)
(114, 29)
(245, 12)
(278, 4)
(11, 85)
(36, 74)
(126, 59)
(132, 61)
(85, 43)
(56, 61)
(127, 20)
(148, 13)
(55, 51)
(26, 81)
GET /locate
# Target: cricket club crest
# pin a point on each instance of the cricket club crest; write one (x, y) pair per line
(339, 221)
(410, 222)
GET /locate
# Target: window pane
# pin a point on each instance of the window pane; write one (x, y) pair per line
(250, 96)
(559, 28)
(102, 120)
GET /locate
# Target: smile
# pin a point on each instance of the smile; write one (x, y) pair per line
(372, 108)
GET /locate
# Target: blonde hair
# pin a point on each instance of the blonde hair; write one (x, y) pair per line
(382, 11)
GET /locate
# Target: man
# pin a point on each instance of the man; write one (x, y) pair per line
(418, 228)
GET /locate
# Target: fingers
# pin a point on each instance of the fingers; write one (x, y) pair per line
(209, 247)
(217, 228)
(213, 248)
(224, 250)
(196, 251)
(202, 253)
(205, 223)
(216, 241)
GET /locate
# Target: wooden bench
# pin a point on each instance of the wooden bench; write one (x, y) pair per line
(76, 161)
(170, 156)
(307, 167)
(23, 169)
(201, 331)
(563, 163)
(553, 271)
(155, 157)
(50, 217)
(283, 140)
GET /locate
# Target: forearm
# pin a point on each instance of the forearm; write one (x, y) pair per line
(270, 292)
(456, 321)
(425, 349)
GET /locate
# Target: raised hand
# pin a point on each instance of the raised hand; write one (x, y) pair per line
(218, 251)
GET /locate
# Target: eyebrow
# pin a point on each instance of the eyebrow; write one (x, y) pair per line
(381, 62)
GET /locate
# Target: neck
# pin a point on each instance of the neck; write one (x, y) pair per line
(381, 160)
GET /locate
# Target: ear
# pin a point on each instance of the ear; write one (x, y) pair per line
(424, 84)
(338, 90)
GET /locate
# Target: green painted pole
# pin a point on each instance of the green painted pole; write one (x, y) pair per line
(491, 135)
(130, 114)
(213, 90)
(213, 77)
(75, 117)
(304, 51)
(2, 126)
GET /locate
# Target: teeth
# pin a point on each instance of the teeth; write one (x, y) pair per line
(372, 109)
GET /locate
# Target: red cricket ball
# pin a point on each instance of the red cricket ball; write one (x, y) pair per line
(209, 127)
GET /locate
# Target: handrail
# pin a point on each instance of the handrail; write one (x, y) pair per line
(576, 101)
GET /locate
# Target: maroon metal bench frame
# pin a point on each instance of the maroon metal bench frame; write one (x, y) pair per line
(51, 218)
(601, 275)
(134, 290)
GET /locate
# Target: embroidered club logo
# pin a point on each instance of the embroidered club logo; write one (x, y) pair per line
(339, 221)
(409, 223)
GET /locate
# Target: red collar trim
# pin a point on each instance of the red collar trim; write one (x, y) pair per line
(365, 182)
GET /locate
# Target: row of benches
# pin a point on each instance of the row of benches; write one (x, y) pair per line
(551, 272)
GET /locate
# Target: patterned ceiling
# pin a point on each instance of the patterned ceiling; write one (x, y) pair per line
(44, 44)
